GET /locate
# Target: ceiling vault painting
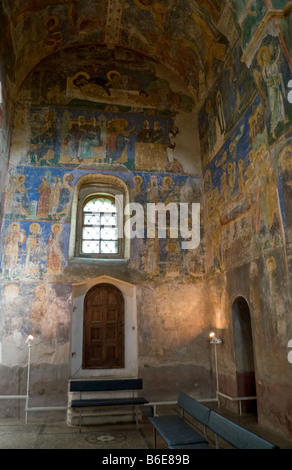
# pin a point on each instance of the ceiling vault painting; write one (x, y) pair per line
(191, 38)
(180, 106)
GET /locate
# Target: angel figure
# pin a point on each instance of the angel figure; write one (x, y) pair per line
(273, 79)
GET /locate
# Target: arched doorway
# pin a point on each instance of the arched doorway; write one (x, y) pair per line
(244, 356)
(103, 328)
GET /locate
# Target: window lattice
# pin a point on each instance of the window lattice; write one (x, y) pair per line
(100, 227)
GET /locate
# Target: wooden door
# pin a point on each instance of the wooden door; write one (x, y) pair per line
(103, 329)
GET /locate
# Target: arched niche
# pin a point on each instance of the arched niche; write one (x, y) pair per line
(244, 353)
(79, 292)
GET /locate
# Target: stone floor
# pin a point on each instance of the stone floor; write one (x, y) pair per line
(47, 432)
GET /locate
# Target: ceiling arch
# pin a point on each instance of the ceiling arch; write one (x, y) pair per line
(191, 38)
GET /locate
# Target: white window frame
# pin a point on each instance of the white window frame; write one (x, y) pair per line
(100, 225)
(85, 195)
(98, 185)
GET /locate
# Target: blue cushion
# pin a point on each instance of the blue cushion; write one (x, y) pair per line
(105, 385)
(174, 430)
(236, 435)
(194, 408)
(107, 402)
(199, 445)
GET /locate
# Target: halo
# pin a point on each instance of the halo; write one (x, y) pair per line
(41, 287)
(68, 177)
(17, 224)
(167, 180)
(35, 224)
(259, 54)
(137, 179)
(51, 116)
(56, 22)
(11, 291)
(145, 4)
(56, 226)
(287, 151)
(77, 75)
(111, 73)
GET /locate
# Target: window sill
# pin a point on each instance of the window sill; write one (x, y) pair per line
(81, 260)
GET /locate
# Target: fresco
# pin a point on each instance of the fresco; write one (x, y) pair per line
(271, 74)
(165, 257)
(49, 324)
(282, 153)
(94, 76)
(242, 197)
(279, 4)
(103, 140)
(191, 38)
(32, 249)
(224, 106)
(46, 197)
(248, 15)
(164, 35)
(1, 114)
(36, 227)
(104, 117)
(4, 140)
(268, 78)
(5, 112)
(6, 45)
(284, 167)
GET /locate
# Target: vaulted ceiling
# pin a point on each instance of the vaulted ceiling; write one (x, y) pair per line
(191, 38)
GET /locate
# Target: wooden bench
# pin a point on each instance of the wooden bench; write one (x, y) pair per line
(236, 435)
(131, 388)
(178, 434)
(174, 429)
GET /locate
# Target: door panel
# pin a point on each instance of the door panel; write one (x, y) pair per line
(103, 332)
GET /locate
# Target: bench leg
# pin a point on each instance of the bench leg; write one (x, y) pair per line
(136, 417)
(80, 420)
(217, 442)
(154, 437)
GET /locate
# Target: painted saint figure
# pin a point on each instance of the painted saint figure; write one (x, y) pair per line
(55, 256)
(275, 85)
(44, 199)
(17, 196)
(83, 80)
(39, 309)
(33, 249)
(66, 189)
(13, 242)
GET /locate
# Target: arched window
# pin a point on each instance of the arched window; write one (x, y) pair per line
(97, 223)
(99, 233)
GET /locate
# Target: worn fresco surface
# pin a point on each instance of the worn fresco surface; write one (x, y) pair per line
(243, 193)
(36, 229)
(246, 207)
(88, 113)
(90, 102)
(149, 27)
(268, 78)
(4, 138)
(248, 15)
(88, 118)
